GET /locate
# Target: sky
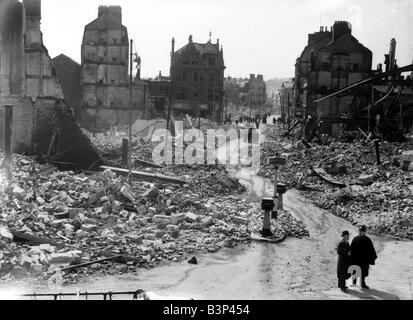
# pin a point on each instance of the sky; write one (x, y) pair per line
(258, 36)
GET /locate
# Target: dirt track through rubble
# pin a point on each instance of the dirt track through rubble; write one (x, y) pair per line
(295, 269)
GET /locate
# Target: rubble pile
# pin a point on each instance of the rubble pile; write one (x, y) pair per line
(99, 224)
(380, 197)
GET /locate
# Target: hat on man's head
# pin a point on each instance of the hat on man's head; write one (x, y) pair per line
(363, 228)
(345, 233)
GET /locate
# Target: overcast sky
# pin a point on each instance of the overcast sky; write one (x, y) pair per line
(258, 36)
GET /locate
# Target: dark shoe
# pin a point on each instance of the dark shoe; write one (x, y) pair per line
(365, 286)
(344, 290)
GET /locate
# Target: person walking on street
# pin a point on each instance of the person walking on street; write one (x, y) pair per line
(363, 254)
(343, 263)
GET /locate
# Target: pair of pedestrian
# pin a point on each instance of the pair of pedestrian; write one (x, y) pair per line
(360, 253)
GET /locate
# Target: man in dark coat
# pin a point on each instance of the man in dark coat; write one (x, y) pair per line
(343, 263)
(363, 254)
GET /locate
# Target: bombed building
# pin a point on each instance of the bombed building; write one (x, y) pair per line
(255, 92)
(39, 119)
(197, 75)
(105, 98)
(68, 75)
(333, 59)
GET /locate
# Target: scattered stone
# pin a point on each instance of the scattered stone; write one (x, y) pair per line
(6, 234)
(18, 192)
(65, 257)
(178, 218)
(366, 179)
(192, 217)
(162, 219)
(228, 243)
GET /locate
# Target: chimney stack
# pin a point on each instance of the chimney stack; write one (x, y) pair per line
(392, 54)
(340, 28)
(173, 46)
(33, 8)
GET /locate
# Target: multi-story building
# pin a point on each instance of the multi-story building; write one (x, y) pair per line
(332, 60)
(32, 103)
(233, 88)
(256, 90)
(104, 76)
(197, 75)
(286, 99)
(158, 91)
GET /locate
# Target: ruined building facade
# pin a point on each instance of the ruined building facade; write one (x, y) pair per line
(332, 60)
(197, 75)
(68, 75)
(255, 92)
(105, 97)
(28, 82)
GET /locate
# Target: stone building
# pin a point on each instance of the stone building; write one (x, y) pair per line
(104, 73)
(68, 75)
(233, 88)
(332, 60)
(41, 122)
(286, 99)
(255, 92)
(158, 91)
(197, 75)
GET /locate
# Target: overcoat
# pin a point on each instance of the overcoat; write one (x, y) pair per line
(343, 263)
(363, 253)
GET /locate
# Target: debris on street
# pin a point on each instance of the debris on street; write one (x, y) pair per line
(100, 223)
(343, 177)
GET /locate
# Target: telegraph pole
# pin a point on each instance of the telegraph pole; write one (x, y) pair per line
(226, 106)
(130, 110)
(288, 108)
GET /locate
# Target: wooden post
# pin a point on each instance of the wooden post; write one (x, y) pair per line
(130, 111)
(7, 141)
(288, 116)
(144, 101)
(199, 116)
(226, 107)
(125, 151)
(377, 147)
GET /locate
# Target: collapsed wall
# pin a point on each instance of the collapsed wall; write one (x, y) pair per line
(28, 82)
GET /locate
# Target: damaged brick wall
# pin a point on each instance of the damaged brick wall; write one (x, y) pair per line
(331, 61)
(29, 84)
(104, 73)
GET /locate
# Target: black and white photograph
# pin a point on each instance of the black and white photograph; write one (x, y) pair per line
(189, 151)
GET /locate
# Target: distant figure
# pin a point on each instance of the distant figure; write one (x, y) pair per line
(363, 254)
(343, 263)
(274, 121)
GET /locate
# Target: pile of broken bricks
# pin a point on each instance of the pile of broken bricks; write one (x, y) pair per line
(351, 185)
(100, 224)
